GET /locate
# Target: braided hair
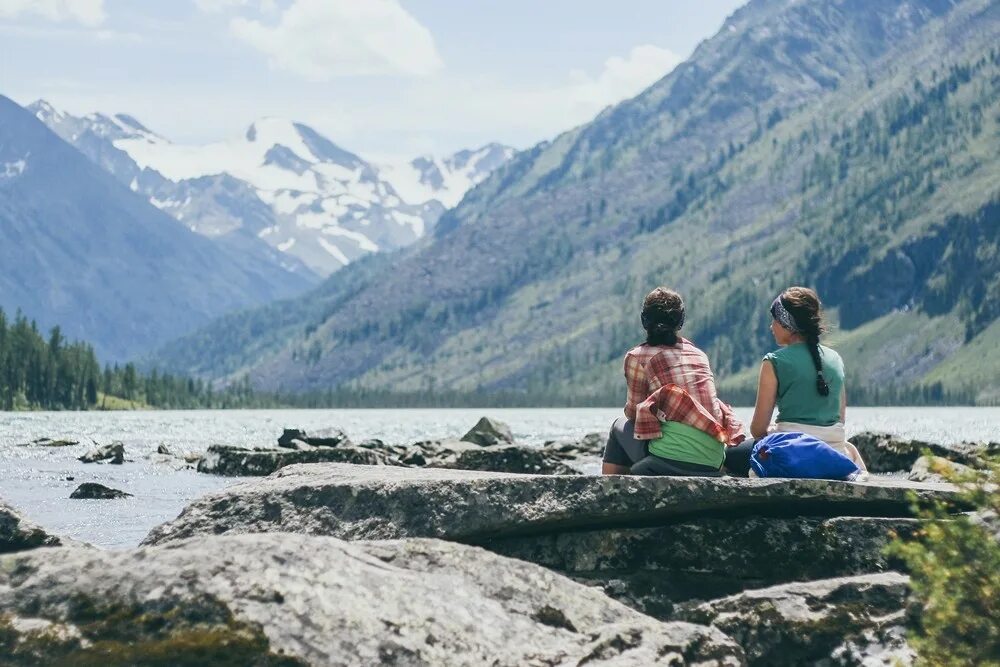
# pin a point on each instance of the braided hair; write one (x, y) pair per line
(804, 306)
(662, 316)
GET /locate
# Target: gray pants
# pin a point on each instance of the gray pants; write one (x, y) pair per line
(624, 450)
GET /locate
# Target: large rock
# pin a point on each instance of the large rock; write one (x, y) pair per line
(94, 491)
(934, 469)
(887, 453)
(19, 534)
(807, 623)
(365, 502)
(588, 446)
(520, 459)
(329, 437)
(294, 600)
(653, 568)
(235, 461)
(113, 453)
(488, 432)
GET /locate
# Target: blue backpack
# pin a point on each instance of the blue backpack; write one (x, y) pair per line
(797, 455)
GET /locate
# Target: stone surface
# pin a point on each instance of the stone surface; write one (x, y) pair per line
(808, 622)
(588, 446)
(94, 491)
(511, 458)
(19, 534)
(887, 453)
(234, 461)
(929, 469)
(113, 453)
(489, 432)
(383, 502)
(653, 568)
(293, 600)
(328, 437)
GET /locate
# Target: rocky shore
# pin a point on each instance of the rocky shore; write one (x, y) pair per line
(445, 553)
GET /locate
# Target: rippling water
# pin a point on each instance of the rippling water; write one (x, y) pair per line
(35, 479)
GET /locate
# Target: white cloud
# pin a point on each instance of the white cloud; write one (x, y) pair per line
(218, 6)
(322, 39)
(621, 78)
(87, 12)
(490, 110)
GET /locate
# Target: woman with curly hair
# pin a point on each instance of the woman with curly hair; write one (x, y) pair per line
(674, 423)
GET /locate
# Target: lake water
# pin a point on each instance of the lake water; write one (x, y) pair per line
(34, 479)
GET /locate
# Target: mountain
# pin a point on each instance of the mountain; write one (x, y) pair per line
(80, 250)
(445, 180)
(281, 186)
(843, 144)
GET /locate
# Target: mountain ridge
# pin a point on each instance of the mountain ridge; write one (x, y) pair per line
(733, 164)
(281, 187)
(81, 251)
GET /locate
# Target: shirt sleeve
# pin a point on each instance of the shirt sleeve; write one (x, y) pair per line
(635, 383)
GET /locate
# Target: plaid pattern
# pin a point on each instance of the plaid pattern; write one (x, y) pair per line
(636, 378)
(672, 403)
(688, 395)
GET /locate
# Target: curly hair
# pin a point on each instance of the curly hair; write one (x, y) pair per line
(662, 316)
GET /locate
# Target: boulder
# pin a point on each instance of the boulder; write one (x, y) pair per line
(278, 599)
(234, 461)
(510, 458)
(931, 469)
(653, 568)
(488, 432)
(113, 453)
(164, 450)
(887, 453)
(328, 437)
(19, 534)
(94, 491)
(384, 502)
(588, 446)
(808, 622)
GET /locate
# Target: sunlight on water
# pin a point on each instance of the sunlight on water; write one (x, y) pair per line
(35, 479)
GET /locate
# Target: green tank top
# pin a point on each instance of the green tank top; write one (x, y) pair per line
(798, 399)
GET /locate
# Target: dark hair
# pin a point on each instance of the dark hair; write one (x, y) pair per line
(662, 316)
(804, 306)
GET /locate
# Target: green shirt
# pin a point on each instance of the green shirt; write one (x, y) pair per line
(798, 399)
(680, 442)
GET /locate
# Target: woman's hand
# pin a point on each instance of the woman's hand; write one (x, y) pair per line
(767, 395)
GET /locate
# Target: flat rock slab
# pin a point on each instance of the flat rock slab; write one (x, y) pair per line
(233, 461)
(382, 502)
(808, 622)
(19, 534)
(294, 600)
(652, 569)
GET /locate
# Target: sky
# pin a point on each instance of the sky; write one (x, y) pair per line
(382, 78)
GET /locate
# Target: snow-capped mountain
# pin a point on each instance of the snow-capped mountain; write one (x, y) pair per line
(446, 179)
(281, 183)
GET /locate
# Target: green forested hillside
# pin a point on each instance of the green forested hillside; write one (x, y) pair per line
(848, 145)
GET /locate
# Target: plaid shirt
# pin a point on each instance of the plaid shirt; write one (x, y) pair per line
(688, 395)
(671, 403)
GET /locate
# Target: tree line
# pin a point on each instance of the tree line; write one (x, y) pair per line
(52, 373)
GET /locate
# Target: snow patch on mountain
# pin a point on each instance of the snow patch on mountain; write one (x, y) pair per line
(281, 183)
(445, 179)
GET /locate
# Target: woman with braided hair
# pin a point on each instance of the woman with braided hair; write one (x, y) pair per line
(803, 379)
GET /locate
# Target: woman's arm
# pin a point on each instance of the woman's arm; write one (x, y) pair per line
(767, 394)
(843, 406)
